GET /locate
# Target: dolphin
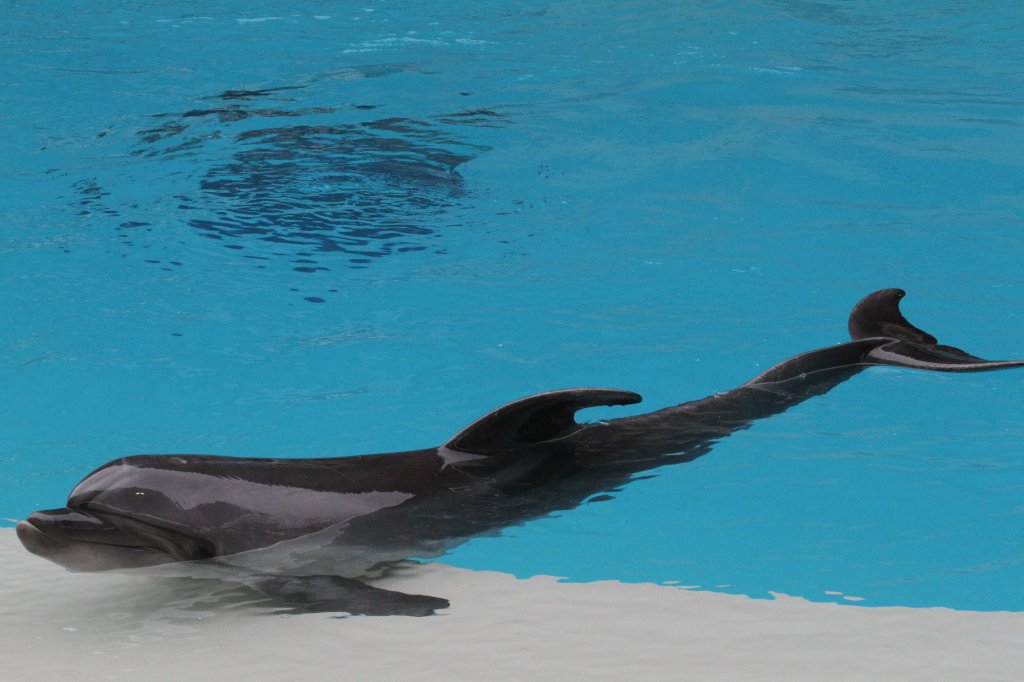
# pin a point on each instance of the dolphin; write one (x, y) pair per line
(306, 530)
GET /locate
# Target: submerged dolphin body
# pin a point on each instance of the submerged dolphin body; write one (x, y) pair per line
(305, 528)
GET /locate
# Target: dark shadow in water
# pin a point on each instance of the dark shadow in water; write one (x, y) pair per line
(284, 182)
(367, 189)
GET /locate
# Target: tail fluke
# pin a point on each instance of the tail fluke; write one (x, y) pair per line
(878, 316)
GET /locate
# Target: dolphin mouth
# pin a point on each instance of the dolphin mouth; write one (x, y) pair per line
(82, 540)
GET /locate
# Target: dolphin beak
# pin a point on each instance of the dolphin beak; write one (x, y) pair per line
(81, 541)
(70, 520)
(34, 540)
(62, 548)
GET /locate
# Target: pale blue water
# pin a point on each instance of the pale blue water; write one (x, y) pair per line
(332, 228)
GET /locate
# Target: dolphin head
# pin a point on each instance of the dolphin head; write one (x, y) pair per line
(111, 523)
(146, 510)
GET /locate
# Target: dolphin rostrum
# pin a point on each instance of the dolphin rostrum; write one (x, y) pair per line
(305, 529)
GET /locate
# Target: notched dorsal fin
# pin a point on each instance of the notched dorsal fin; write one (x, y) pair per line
(538, 418)
(878, 314)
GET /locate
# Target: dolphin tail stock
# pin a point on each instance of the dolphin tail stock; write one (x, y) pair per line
(880, 336)
(877, 318)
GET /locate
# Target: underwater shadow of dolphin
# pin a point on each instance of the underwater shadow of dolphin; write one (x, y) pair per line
(302, 530)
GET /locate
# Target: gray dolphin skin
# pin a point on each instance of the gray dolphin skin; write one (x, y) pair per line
(304, 530)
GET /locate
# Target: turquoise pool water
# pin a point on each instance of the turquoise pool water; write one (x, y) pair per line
(316, 228)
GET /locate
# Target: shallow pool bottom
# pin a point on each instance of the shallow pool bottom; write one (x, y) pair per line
(119, 627)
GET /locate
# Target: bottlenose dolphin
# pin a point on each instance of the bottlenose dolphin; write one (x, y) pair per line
(306, 528)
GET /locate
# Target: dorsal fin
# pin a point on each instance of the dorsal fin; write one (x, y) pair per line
(538, 418)
(878, 314)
